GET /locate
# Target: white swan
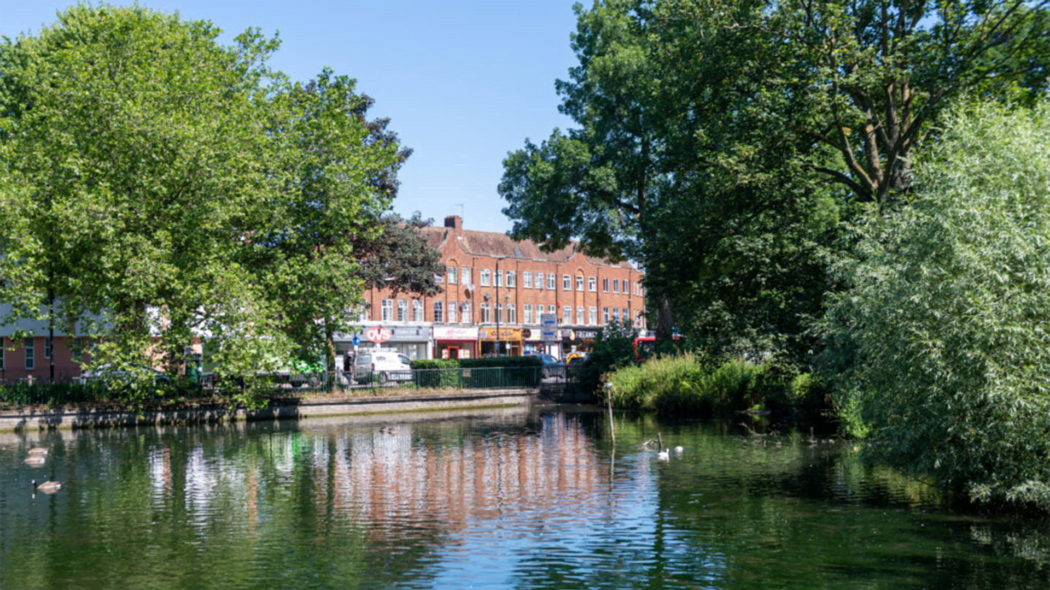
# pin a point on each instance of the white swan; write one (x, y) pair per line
(663, 455)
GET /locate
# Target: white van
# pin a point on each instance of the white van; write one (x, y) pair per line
(382, 364)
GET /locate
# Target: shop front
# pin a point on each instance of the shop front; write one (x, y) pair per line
(455, 342)
(577, 341)
(502, 342)
(413, 341)
(533, 343)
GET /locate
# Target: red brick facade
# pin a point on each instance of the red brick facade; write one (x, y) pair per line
(530, 283)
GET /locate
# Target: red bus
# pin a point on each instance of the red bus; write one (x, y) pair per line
(645, 347)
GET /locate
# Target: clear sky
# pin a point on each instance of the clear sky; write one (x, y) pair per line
(463, 81)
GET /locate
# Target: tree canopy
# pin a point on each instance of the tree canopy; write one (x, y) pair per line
(171, 186)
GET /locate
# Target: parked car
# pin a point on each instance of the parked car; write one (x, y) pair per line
(552, 367)
(111, 373)
(383, 365)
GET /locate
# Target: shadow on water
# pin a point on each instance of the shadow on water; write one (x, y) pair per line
(505, 499)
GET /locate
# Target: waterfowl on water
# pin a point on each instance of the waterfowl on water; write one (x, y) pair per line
(35, 461)
(48, 487)
(663, 455)
(678, 450)
(41, 451)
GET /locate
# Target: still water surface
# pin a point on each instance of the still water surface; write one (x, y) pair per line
(512, 500)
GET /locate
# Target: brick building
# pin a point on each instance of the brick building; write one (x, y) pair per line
(492, 281)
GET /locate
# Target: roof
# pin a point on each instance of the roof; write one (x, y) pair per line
(493, 244)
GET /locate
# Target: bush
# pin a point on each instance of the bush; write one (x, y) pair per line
(946, 321)
(436, 373)
(613, 349)
(502, 361)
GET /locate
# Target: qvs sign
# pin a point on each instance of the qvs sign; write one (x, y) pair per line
(378, 335)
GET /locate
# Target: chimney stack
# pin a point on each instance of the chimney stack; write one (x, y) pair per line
(455, 222)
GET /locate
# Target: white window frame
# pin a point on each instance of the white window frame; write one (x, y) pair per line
(616, 315)
(579, 282)
(486, 277)
(539, 280)
(499, 278)
(551, 310)
(527, 280)
(592, 284)
(417, 310)
(605, 285)
(605, 316)
(512, 279)
(566, 282)
(566, 315)
(465, 312)
(453, 306)
(464, 274)
(552, 281)
(592, 315)
(486, 312)
(616, 286)
(512, 314)
(386, 313)
(402, 311)
(30, 354)
(439, 312)
(451, 275)
(49, 348)
(526, 313)
(579, 315)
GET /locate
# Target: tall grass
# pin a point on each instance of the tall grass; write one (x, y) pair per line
(684, 385)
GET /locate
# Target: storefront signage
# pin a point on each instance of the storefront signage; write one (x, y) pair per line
(575, 335)
(504, 334)
(455, 333)
(378, 335)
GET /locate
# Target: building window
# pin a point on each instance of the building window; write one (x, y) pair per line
(486, 313)
(616, 286)
(439, 278)
(605, 315)
(387, 310)
(550, 281)
(550, 309)
(512, 278)
(512, 314)
(452, 307)
(30, 354)
(579, 316)
(625, 315)
(623, 286)
(486, 277)
(539, 280)
(592, 315)
(500, 318)
(526, 311)
(566, 283)
(464, 273)
(402, 310)
(605, 285)
(452, 275)
(48, 347)
(579, 282)
(499, 278)
(566, 316)
(464, 315)
(417, 310)
(439, 311)
(616, 315)
(527, 277)
(592, 284)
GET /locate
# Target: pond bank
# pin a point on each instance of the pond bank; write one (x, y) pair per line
(42, 418)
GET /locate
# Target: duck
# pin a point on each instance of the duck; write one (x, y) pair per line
(35, 461)
(41, 451)
(678, 450)
(48, 487)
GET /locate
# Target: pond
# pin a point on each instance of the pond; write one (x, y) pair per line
(511, 499)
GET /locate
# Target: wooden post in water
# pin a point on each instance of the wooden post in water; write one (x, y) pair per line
(608, 404)
(660, 441)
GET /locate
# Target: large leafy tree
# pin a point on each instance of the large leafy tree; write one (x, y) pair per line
(947, 317)
(161, 185)
(339, 173)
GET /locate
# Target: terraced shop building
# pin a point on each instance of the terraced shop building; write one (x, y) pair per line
(496, 291)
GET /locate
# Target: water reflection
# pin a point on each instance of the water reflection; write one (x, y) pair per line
(510, 500)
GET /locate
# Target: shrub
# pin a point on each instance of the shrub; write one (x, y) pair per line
(947, 316)
(436, 373)
(613, 348)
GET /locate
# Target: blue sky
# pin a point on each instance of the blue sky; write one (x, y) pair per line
(463, 81)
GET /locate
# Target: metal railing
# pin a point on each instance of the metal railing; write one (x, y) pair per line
(21, 392)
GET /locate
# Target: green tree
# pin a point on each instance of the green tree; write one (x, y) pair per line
(339, 173)
(947, 316)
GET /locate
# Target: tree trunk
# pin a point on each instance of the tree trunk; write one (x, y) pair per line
(664, 320)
